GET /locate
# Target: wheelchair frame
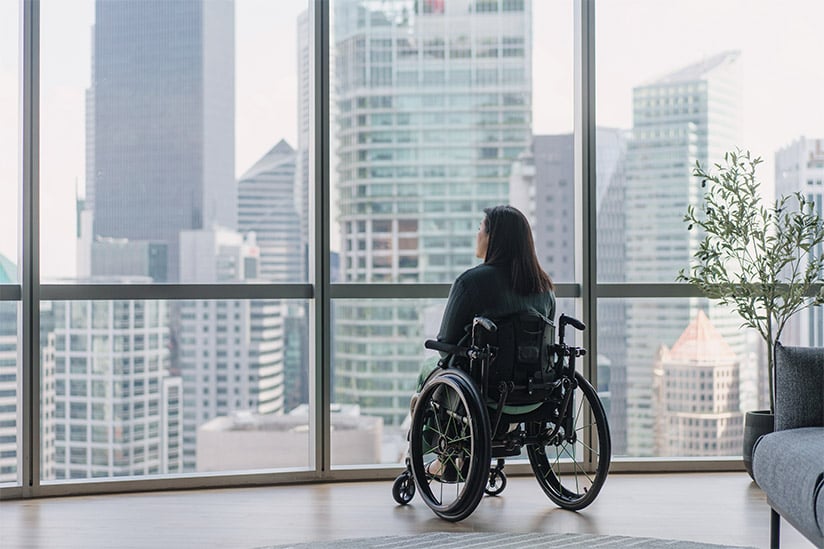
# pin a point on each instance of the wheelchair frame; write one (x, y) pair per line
(467, 438)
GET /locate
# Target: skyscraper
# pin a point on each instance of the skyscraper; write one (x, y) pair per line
(547, 198)
(160, 120)
(542, 186)
(689, 115)
(268, 202)
(115, 411)
(695, 387)
(433, 105)
(268, 206)
(799, 167)
(230, 351)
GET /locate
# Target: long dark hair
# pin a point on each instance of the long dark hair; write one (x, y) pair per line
(511, 243)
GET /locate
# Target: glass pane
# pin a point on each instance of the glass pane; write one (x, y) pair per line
(439, 109)
(377, 359)
(661, 109)
(134, 388)
(168, 134)
(9, 139)
(433, 120)
(679, 373)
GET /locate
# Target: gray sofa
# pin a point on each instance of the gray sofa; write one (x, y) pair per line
(788, 464)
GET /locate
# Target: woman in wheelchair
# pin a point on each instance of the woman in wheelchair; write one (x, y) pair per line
(500, 386)
(510, 280)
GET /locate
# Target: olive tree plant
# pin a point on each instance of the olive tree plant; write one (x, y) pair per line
(764, 262)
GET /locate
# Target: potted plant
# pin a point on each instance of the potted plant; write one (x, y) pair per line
(762, 261)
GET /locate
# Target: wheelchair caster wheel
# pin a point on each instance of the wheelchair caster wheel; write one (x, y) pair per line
(403, 489)
(496, 483)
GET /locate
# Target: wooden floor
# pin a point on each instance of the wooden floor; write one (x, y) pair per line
(724, 508)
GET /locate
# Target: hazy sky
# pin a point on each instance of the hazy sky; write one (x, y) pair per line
(636, 41)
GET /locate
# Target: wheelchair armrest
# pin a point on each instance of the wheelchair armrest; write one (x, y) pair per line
(445, 347)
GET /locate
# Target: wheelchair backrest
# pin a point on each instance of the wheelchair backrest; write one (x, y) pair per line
(522, 345)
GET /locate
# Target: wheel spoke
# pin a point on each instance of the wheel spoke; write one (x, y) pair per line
(575, 485)
(577, 466)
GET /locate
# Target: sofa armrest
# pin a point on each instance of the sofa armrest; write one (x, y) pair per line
(799, 387)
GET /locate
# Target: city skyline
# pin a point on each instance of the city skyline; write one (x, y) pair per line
(409, 202)
(264, 102)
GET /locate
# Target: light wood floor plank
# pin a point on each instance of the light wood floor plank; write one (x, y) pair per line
(725, 508)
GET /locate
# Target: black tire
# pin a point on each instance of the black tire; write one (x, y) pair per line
(496, 482)
(403, 489)
(449, 445)
(573, 472)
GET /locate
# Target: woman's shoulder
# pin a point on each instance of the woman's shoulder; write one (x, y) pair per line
(478, 273)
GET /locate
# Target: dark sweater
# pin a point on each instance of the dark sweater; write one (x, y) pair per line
(486, 290)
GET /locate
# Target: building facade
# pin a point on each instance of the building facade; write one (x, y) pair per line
(433, 106)
(696, 388)
(111, 382)
(230, 352)
(160, 121)
(542, 186)
(689, 115)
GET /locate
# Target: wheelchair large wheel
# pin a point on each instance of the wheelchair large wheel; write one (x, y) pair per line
(449, 443)
(572, 472)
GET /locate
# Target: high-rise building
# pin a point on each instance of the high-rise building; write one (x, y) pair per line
(542, 186)
(689, 115)
(114, 413)
(268, 202)
(433, 105)
(9, 400)
(695, 387)
(799, 168)
(268, 206)
(160, 121)
(121, 257)
(230, 351)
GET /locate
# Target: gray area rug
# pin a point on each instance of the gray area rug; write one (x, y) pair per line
(504, 541)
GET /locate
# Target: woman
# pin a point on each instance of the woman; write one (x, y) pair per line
(510, 280)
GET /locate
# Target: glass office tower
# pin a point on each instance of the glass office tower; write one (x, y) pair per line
(434, 104)
(160, 121)
(692, 114)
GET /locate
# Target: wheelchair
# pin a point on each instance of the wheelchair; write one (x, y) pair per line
(511, 388)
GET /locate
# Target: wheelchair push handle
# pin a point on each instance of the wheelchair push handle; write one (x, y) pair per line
(484, 323)
(563, 320)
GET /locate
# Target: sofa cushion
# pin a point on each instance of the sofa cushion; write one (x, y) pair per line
(789, 466)
(799, 386)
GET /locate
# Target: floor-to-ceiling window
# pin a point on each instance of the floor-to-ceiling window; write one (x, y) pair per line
(174, 153)
(676, 87)
(197, 315)
(439, 110)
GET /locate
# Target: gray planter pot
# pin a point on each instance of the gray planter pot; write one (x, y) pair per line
(756, 423)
